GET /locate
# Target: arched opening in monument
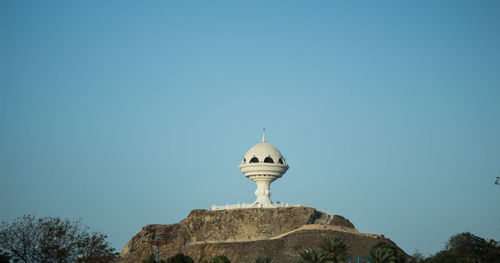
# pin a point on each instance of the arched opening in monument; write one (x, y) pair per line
(268, 160)
(254, 160)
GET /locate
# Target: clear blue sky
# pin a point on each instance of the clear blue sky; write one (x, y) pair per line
(127, 113)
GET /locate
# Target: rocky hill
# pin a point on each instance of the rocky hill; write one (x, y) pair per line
(245, 234)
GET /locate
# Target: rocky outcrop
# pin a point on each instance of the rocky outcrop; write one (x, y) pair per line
(245, 234)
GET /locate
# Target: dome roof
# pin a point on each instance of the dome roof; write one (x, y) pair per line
(263, 153)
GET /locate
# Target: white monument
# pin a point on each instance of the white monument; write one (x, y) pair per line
(263, 164)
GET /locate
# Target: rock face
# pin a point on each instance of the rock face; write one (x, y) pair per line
(245, 234)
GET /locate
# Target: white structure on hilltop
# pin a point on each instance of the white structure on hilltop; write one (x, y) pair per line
(263, 164)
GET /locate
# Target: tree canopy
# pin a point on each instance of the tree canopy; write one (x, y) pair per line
(464, 248)
(386, 253)
(335, 249)
(312, 255)
(52, 239)
(332, 249)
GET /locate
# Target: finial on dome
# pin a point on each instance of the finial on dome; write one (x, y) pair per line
(264, 135)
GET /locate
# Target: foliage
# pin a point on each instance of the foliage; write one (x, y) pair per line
(335, 249)
(467, 244)
(312, 255)
(465, 248)
(417, 257)
(263, 260)
(382, 255)
(52, 239)
(447, 257)
(386, 253)
(180, 258)
(220, 259)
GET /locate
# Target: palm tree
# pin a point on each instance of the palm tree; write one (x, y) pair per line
(312, 255)
(263, 260)
(335, 249)
(383, 255)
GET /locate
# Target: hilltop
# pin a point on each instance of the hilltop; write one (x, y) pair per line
(245, 234)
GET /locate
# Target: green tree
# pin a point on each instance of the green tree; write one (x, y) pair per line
(467, 248)
(179, 258)
(469, 245)
(220, 259)
(417, 257)
(52, 239)
(449, 257)
(312, 255)
(380, 247)
(335, 249)
(263, 260)
(382, 254)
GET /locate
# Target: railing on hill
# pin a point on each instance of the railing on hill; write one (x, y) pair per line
(237, 206)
